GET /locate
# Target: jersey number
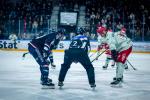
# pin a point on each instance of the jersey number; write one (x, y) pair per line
(74, 43)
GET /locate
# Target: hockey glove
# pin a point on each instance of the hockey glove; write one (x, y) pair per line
(114, 55)
(99, 47)
(54, 44)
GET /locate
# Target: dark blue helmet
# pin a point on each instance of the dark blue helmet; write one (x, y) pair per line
(81, 30)
(61, 30)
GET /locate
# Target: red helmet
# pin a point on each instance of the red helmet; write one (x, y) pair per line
(101, 30)
(123, 30)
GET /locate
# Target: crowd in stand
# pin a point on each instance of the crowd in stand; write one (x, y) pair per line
(32, 13)
(115, 14)
(131, 14)
(73, 5)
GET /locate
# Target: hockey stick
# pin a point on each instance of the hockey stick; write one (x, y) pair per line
(131, 65)
(93, 54)
(98, 56)
(23, 56)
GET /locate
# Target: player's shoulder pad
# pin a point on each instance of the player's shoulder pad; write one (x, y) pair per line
(79, 37)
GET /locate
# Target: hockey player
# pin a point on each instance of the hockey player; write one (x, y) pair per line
(104, 45)
(78, 52)
(50, 53)
(120, 46)
(40, 48)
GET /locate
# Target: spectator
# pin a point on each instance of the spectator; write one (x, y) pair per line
(13, 37)
(34, 26)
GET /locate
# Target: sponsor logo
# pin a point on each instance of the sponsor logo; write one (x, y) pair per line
(8, 45)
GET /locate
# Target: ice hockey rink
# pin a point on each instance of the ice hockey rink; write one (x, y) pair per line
(20, 79)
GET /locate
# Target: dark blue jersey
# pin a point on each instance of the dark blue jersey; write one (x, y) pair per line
(45, 40)
(80, 42)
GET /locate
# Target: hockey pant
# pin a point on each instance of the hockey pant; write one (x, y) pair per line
(44, 69)
(77, 56)
(121, 62)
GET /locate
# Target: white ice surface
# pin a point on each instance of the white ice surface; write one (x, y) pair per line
(19, 80)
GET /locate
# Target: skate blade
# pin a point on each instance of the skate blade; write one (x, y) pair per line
(48, 87)
(121, 80)
(117, 86)
(53, 67)
(104, 68)
(112, 66)
(93, 88)
(60, 87)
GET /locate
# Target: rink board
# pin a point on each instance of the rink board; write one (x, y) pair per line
(22, 45)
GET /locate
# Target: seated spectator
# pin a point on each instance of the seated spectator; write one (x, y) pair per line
(13, 37)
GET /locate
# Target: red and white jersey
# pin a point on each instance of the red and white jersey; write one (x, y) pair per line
(118, 41)
(103, 45)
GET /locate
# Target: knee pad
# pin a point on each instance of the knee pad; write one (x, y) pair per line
(44, 70)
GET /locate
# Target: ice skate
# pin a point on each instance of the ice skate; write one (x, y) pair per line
(113, 64)
(49, 80)
(126, 67)
(116, 79)
(45, 79)
(53, 66)
(93, 86)
(47, 84)
(105, 67)
(60, 84)
(116, 83)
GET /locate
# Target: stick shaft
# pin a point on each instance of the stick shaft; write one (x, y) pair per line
(131, 65)
(98, 56)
